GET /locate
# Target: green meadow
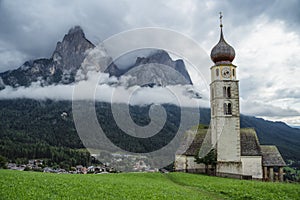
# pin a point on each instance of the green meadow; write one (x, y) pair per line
(35, 185)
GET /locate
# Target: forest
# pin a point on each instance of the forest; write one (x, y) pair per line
(45, 129)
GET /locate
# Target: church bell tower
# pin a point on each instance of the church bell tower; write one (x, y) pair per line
(225, 112)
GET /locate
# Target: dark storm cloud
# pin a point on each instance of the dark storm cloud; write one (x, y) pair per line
(242, 12)
(287, 11)
(31, 29)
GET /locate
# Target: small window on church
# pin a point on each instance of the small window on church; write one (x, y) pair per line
(229, 110)
(212, 93)
(233, 72)
(217, 72)
(225, 108)
(228, 92)
(224, 91)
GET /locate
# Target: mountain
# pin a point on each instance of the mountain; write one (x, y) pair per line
(26, 124)
(156, 69)
(60, 68)
(66, 62)
(286, 138)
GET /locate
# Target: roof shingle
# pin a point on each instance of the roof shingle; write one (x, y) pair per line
(271, 156)
(249, 143)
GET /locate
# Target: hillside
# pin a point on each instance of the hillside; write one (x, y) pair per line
(37, 129)
(286, 138)
(32, 185)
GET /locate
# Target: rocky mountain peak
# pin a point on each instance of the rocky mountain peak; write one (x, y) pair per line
(65, 63)
(159, 56)
(76, 30)
(163, 58)
(73, 44)
(75, 34)
(70, 53)
(153, 68)
(60, 68)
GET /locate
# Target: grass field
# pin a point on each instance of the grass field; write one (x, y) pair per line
(35, 185)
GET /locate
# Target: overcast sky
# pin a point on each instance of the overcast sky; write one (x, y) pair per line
(265, 35)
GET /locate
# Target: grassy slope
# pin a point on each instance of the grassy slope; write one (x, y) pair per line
(33, 185)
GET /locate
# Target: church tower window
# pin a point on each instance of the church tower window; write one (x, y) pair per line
(229, 110)
(228, 92)
(217, 72)
(224, 91)
(225, 108)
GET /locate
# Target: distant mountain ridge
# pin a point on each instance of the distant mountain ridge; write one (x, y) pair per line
(28, 121)
(66, 60)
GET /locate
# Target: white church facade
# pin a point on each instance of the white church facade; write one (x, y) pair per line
(238, 151)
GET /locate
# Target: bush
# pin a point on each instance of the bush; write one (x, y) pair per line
(3, 162)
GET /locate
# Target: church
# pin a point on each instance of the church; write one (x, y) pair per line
(238, 151)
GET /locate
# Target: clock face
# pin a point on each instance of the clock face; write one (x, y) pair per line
(226, 72)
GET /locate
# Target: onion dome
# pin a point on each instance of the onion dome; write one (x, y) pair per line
(222, 52)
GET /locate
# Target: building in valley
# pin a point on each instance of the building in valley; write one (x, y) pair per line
(238, 151)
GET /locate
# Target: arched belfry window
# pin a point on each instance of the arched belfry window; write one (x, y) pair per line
(228, 92)
(227, 108)
(224, 91)
(233, 72)
(217, 72)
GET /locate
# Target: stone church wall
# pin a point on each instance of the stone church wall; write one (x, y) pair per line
(252, 165)
(187, 164)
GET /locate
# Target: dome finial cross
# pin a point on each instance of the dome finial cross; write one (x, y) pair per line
(221, 16)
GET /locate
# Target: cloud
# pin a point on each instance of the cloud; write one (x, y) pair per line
(10, 57)
(265, 109)
(35, 91)
(32, 27)
(288, 93)
(268, 61)
(264, 34)
(93, 84)
(109, 89)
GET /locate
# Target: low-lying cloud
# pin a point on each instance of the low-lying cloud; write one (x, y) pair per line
(110, 89)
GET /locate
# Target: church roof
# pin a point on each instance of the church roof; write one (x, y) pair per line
(195, 145)
(222, 52)
(250, 146)
(249, 143)
(271, 156)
